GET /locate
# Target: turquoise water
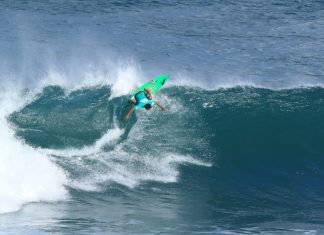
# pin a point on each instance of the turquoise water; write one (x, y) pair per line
(239, 151)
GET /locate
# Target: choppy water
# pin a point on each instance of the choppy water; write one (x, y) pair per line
(238, 152)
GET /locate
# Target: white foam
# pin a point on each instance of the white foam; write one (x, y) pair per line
(131, 170)
(109, 136)
(25, 174)
(127, 78)
(121, 165)
(123, 76)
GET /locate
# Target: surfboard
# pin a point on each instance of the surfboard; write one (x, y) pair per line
(155, 84)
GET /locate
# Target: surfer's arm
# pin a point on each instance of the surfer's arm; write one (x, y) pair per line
(160, 106)
(127, 116)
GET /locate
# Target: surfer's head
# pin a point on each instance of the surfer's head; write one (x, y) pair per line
(148, 106)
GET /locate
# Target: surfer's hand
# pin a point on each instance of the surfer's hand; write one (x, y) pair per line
(126, 117)
(162, 109)
(160, 106)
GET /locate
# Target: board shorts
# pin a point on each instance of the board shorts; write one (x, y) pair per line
(142, 100)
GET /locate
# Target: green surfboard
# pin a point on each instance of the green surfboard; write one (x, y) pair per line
(155, 84)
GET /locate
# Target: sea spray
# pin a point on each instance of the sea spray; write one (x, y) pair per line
(25, 174)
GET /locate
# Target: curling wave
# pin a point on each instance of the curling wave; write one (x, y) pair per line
(256, 139)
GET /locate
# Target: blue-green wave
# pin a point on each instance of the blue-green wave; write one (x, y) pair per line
(256, 139)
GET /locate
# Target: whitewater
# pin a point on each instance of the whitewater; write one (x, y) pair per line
(239, 151)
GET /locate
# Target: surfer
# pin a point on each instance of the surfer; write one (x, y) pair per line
(143, 99)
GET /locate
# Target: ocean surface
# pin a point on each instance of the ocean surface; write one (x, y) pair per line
(240, 149)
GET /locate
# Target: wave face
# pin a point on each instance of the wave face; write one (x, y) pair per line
(241, 125)
(246, 150)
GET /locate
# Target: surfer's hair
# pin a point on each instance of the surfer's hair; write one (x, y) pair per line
(148, 106)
